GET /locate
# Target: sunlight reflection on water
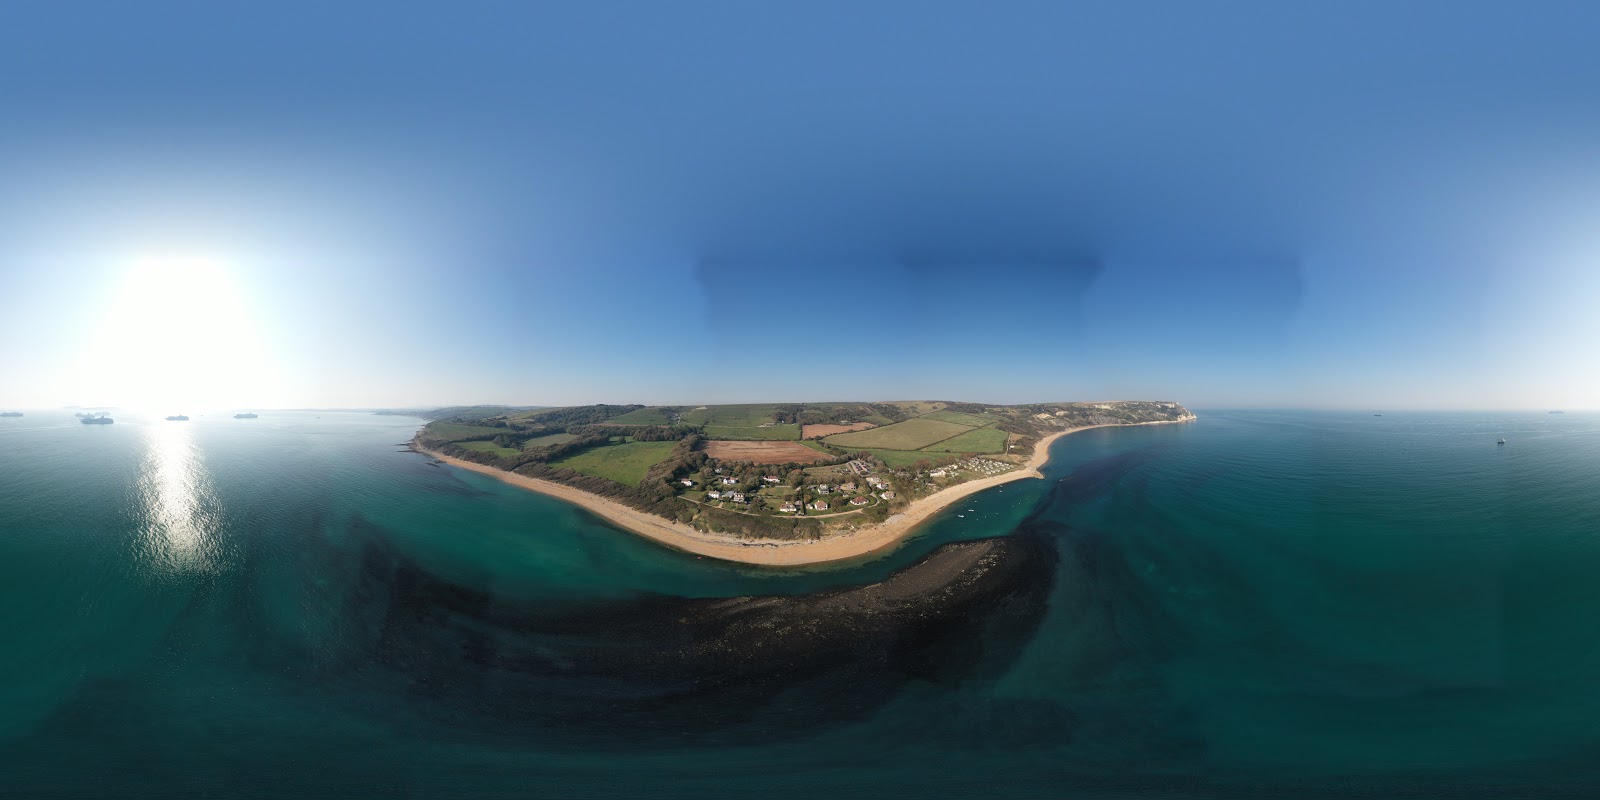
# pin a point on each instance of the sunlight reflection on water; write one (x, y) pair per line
(180, 511)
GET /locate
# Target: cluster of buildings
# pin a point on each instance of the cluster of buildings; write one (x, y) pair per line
(983, 466)
(864, 490)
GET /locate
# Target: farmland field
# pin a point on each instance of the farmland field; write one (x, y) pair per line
(623, 463)
(641, 416)
(896, 459)
(970, 420)
(913, 434)
(981, 440)
(490, 447)
(819, 431)
(779, 432)
(547, 440)
(454, 431)
(763, 452)
(736, 416)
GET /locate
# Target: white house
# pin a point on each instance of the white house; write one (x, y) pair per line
(686, 482)
(714, 495)
(730, 482)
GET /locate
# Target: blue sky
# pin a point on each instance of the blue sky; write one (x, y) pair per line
(1227, 204)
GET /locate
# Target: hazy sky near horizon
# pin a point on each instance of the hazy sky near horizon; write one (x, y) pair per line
(1227, 204)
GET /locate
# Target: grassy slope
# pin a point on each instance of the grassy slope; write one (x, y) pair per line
(641, 416)
(970, 420)
(905, 458)
(912, 434)
(548, 439)
(785, 432)
(735, 416)
(623, 463)
(490, 447)
(452, 431)
(982, 440)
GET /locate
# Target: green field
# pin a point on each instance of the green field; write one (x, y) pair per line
(547, 440)
(641, 416)
(970, 420)
(490, 447)
(785, 432)
(896, 459)
(913, 434)
(816, 445)
(623, 463)
(454, 431)
(737, 416)
(982, 440)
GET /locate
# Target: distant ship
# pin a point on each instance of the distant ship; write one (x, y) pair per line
(245, 415)
(1377, 415)
(178, 418)
(96, 419)
(10, 413)
(1502, 441)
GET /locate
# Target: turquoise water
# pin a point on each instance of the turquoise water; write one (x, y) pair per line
(1257, 604)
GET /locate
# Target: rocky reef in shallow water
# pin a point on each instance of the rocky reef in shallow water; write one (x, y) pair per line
(669, 669)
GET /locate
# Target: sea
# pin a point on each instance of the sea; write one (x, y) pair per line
(1300, 604)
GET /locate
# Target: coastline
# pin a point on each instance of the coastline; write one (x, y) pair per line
(841, 546)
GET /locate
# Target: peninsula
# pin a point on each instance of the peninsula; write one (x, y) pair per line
(769, 484)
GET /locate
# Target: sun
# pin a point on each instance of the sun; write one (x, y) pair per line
(177, 335)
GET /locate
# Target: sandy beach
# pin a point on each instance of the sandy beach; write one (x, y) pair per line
(840, 546)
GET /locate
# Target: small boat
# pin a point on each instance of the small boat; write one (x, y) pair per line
(1502, 441)
(1377, 415)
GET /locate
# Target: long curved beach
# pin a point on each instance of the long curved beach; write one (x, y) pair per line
(839, 546)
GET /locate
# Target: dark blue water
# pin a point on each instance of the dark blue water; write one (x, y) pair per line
(1258, 604)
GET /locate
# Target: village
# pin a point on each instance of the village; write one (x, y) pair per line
(855, 486)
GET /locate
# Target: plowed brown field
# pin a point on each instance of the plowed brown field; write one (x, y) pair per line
(819, 431)
(763, 452)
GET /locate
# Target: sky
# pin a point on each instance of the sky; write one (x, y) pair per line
(1229, 204)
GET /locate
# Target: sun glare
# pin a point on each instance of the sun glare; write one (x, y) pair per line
(177, 336)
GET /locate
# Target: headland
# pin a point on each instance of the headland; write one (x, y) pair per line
(855, 479)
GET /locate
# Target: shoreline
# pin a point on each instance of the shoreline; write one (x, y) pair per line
(841, 546)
